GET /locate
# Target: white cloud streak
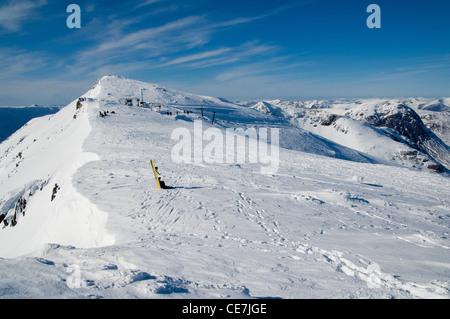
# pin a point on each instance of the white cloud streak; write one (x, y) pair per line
(178, 43)
(13, 14)
(158, 39)
(223, 56)
(15, 63)
(198, 56)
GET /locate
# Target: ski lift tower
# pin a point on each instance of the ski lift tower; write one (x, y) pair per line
(141, 100)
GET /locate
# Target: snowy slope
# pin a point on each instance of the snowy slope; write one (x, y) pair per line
(116, 89)
(392, 131)
(40, 155)
(435, 114)
(396, 116)
(330, 222)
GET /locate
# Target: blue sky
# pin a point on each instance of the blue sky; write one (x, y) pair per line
(233, 49)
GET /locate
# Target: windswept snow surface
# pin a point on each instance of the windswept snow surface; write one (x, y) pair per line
(331, 222)
(46, 152)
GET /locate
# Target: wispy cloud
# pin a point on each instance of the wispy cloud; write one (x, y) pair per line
(187, 32)
(110, 44)
(146, 3)
(198, 56)
(275, 11)
(224, 55)
(161, 46)
(14, 14)
(15, 63)
(243, 72)
(273, 67)
(155, 45)
(151, 38)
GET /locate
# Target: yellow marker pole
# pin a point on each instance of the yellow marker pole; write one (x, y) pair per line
(156, 174)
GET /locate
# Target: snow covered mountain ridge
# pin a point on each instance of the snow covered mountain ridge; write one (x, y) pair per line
(417, 129)
(345, 214)
(414, 143)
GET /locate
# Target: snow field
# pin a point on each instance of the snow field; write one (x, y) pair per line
(330, 223)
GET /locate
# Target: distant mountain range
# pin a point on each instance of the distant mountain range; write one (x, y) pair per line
(414, 132)
(13, 118)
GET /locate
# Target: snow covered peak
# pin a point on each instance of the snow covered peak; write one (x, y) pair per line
(435, 105)
(374, 111)
(397, 119)
(117, 89)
